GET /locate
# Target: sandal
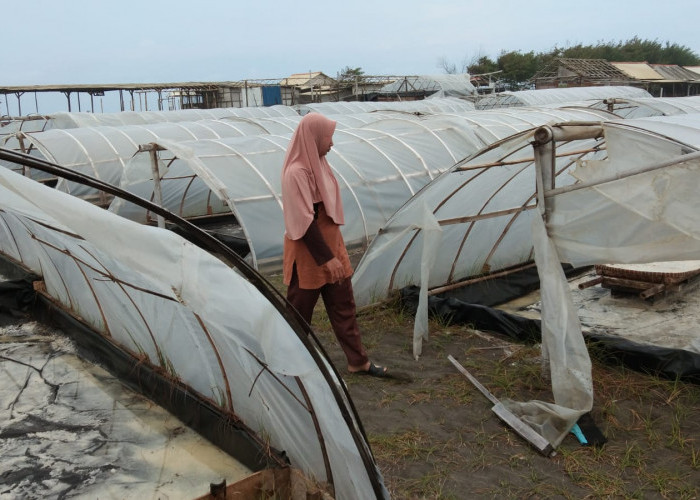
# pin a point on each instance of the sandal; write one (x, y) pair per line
(373, 371)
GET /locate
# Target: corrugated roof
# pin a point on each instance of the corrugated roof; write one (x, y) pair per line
(673, 72)
(694, 69)
(638, 70)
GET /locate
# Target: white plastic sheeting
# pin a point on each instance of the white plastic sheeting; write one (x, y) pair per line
(550, 96)
(443, 85)
(84, 119)
(442, 105)
(378, 170)
(379, 167)
(72, 120)
(651, 106)
(483, 206)
(638, 205)
(10, 133)
(102, 151)
(179, 308)
(495, 124)
(486, 208)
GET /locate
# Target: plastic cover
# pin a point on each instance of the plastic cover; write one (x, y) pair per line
(82, 119)
(559, 95)
(378, 167)
(445, 85)
(483, 205)
(435, 105)
(181, 309)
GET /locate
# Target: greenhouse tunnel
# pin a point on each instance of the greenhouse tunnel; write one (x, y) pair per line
(560, 95)
(484, 207)
(379, 167)
(165, 304)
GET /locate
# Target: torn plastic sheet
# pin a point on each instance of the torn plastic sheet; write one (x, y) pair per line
(431, 233)
(639, 205)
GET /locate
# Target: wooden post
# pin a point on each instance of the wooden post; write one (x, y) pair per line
(157, 192)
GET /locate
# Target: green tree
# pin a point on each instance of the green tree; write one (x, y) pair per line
(482, 65)
(517, 68)
(348, 74)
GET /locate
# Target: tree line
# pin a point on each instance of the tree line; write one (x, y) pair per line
(516, 67)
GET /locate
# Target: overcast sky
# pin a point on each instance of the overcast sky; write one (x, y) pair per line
(147, 41)
(99, 41)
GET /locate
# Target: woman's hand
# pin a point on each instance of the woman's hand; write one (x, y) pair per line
(335, 270)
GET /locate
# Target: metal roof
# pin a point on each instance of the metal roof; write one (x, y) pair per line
(673, 72)
(638, 70)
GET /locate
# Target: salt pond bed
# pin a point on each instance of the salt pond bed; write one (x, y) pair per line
(671, 321)
(68, 428)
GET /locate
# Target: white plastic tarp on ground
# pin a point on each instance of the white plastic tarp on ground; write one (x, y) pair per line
(178, 308)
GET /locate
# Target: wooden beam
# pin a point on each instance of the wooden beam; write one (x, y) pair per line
(508, 417)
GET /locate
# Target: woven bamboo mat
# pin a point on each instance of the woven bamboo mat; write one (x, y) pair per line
(656, 272)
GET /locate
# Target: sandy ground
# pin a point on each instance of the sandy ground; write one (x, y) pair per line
(434, 435)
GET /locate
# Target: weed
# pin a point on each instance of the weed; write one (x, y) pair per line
(694, 458)
(633, 457)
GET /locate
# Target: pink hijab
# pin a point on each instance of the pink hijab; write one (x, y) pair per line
(307, 176)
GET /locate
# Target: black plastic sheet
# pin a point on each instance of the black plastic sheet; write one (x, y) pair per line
(660, 361)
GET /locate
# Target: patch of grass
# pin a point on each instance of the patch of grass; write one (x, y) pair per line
(633, 457)
(412, 444)
(694, 458)
(448, 444)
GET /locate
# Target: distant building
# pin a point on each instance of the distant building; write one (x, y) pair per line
(305, 88)
(660, 80)
(565, 72)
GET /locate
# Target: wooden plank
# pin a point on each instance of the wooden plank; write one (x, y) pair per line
(508, 417)
(654, 290)
(625, 283)
(473, 380)
(523, 430)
